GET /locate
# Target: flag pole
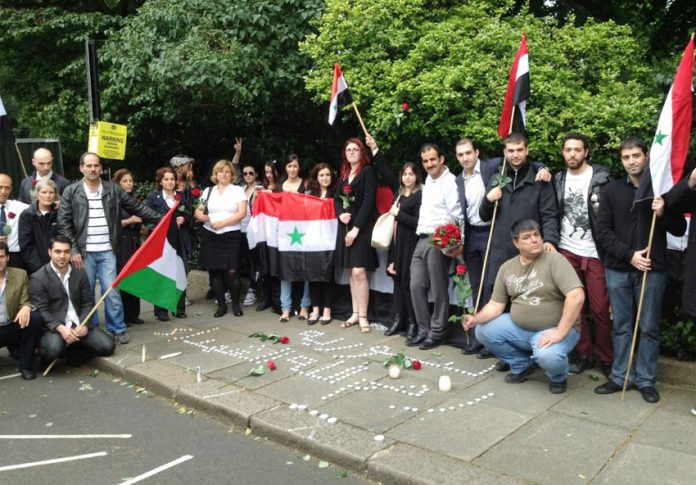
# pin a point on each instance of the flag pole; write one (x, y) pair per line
(21, 160)
(84, 322)
(357, 112)
(640, 309)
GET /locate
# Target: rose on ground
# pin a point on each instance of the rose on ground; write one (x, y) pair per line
(416, 365)
(271, 365)
(284, 340)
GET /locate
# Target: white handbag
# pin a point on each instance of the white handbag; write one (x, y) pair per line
(383, 231)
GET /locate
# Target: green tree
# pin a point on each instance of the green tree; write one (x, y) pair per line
(450, 63)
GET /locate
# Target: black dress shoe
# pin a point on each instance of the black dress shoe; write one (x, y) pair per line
(220, 312)
(581, 363)
(558, 387)
(485, 354)
(394, 327)
(137, 321)
(263, 305)
(411, 331)
(520, 377)
(470, 349)
(649, 394)
(237, 310)
(415, 342)
(163, 318)
(180, 315)
(609, 387)
(429, 343)
(28, 374)
(501, 366)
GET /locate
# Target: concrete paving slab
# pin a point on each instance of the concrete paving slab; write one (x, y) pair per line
(639, 464)
(553, 448)
(339, 443)
(404, 464)
(227, 403)
(471, 428)
(160, 377)
(670, 430)
(118, 362)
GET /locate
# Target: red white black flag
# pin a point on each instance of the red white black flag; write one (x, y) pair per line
(340, 94)
(513, 117)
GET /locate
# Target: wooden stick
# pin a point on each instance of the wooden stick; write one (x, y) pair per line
(355, 108)
(84, 322)
(640, 309)
(21, 160)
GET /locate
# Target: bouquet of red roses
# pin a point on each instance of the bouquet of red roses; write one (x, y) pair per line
(446, 237)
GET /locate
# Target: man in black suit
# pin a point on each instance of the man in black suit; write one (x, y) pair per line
(20, 327)
(43, 169)
(63, 296)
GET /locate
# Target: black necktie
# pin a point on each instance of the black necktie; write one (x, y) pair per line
(3, 218)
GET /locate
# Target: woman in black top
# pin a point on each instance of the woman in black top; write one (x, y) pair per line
(38, 225)
(405, 209)
(355, 206)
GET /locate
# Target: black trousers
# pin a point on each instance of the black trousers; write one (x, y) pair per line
(180, 307)
(322, 293)
(25, 339)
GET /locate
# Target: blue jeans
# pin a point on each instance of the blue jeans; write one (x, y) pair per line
(101, 266)
(624, 293)
(517, 346)
(286, 295)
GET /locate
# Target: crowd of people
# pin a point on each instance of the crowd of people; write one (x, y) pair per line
(559, 278)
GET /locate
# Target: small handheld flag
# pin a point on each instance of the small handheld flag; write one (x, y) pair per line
(513, 117)
(340, 94)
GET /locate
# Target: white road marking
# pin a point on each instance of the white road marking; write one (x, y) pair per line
(50, 462)
(157, 470)
(62, 436)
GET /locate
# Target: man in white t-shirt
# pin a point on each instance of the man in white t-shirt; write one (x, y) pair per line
(577, 190)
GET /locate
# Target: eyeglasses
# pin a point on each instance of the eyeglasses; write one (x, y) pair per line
(352, 149)
(249, 173)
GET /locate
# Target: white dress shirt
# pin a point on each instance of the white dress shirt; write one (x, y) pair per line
(474, 191)
(72, 317)
(13, 208)
(439, 203)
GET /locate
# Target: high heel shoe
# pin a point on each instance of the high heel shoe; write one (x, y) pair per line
(350, 322)
(220, 312)
(364, 325)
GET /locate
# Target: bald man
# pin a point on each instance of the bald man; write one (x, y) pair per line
(9, 220)
(43, 168)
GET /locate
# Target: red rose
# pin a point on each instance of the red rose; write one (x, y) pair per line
(416, 365)
(11, 215)
(461, 269)
(347, 189)
(34, 182)
(177, 196)
(284, 340)
(196, 192)
(404, 106)
(271, 365)
(445, 241)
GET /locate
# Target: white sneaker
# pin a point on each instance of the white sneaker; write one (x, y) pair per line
(693, 411)
(228, 297)
(250, 298)
(187, 302)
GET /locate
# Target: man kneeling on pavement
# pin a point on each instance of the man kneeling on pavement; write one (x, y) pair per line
(545, 297)
(63, 296)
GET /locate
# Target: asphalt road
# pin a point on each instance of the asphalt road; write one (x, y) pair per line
(75, 402)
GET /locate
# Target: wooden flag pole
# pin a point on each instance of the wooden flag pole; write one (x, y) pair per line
(640, 309)
(357, 112)
(84, 322)
(21, 160)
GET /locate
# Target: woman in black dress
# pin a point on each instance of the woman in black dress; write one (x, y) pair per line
(161, 200)
(355, 205)
(321, 184)
(405, 209)
(38, 225)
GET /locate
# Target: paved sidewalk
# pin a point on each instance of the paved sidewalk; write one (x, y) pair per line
(405, 430)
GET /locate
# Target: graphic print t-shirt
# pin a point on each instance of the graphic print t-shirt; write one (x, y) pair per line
(576, 235)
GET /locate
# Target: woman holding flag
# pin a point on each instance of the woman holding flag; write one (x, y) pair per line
(355, 206)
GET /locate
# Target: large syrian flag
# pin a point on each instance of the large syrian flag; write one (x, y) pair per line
(6, 134)
(340, 94)
(295, 235)
(513, 117)
(157, 272)
(671, 143)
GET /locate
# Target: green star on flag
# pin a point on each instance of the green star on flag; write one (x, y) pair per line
(659, 136)
(296, 236)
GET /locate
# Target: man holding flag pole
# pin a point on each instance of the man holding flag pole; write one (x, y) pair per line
(632, 231)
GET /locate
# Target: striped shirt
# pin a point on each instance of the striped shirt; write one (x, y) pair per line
(97, 228)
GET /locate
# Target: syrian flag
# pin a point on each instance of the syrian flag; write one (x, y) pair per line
(295, 235)
(340, 94)
(671, 143)
(513, 117)
(6, 134)
(157, 272)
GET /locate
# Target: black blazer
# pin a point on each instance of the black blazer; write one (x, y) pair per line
(364, 188)
(156, 201)
(48, 295)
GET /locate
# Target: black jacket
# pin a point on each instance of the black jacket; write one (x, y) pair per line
(156, 201)
(523, 198)
(600, 177)
(364, 190)
(623, 229)
(682, 199)
(35, 233)
(48, 295)
(74, 212)
(25, 187)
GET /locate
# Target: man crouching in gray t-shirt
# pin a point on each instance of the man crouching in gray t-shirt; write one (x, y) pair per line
(545, 298)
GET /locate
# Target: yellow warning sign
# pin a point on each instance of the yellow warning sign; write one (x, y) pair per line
(108, 140)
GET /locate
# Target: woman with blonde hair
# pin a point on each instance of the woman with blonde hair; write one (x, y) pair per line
(37, 225)
(221, 211)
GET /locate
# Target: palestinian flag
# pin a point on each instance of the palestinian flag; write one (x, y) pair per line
(6, 134)
(295, 235)
(157, 272)
(671, 143)
(340, 94)
(513, 117)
